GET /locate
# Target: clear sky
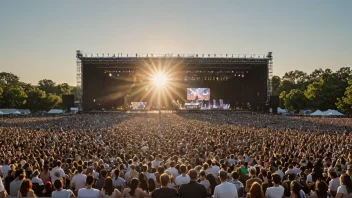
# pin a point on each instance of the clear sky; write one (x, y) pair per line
(39, 39)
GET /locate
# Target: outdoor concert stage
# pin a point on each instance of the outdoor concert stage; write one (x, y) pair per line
(110, 81)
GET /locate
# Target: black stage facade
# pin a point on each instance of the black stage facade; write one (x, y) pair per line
(111, 81)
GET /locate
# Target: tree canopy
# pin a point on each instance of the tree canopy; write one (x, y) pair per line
(321, 89)
(43, 96)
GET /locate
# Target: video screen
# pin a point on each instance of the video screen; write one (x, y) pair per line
(138, 105)
(198, 93)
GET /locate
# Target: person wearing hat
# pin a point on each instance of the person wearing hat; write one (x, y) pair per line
(15, 185)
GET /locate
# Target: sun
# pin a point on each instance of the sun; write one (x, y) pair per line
(159, 79)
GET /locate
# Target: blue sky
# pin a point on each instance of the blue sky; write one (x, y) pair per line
(38, 39)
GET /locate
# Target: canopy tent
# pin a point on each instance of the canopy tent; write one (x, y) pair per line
(279, 110)
(55, 111)
(12, 111)
(332, 112)
(16, 113)
(317, 113)
(2, 113)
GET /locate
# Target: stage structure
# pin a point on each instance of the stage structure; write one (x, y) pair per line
(111, 81)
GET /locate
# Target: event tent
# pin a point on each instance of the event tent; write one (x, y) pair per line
(55, 111)
(281, 111)
(317, 113)
(332, 112)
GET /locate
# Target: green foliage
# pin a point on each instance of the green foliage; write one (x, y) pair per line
(48, 86)
(282, 98)
(8, 80)
(275, 81)
(295, 100)
(15, 97)
(345, 103)
(64, 89)
(52, 101)
(36, 99)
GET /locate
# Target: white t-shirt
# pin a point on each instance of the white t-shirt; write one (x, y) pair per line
(53, 171)
(78, 181)
(334, 184)
(150, 176)
(225, 189)
(37, 180)
(342, 189)
(213, 170)
(92, 192)
(275, 192)
(61, 194)
(5, 170)
(173, 171)
(155, 163)
(182, 180)
(205, 183)
(309, 178)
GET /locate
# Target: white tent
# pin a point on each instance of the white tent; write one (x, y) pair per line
(332, 112)
(1, 113)
(55, 111)
(317, 113)
(16, 113)
(283, 111)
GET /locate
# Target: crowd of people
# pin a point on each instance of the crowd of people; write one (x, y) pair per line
(175, 155)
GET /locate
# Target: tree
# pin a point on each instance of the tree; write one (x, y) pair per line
(282, 99)
(48, 86)
(324, 92)
(275, 82)
(36, 99)
(52, 101)
(345, 103)
(1, 97)
(295, 100)
(15, 97)
(64, 89)
(8, 80)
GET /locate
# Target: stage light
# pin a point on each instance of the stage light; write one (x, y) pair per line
(159, 79)
(110, 74)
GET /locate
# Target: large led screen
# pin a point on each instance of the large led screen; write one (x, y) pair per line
(198, 93)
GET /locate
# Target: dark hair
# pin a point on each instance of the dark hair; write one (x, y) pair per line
(25, 187)
(276, 178)
(296, 188)
(108, 186)
(164, 179)
(333, 174)
(193, 174)
(210, 177)
(103, 173)
(79, 169)
(117, 173)
(143, 182)
(202, 173)
(58, 184)
(321, 188)
(133, 185)
(183, 168)
(151, 184)
(223, 175)
(235, 175)
(256, 190)
(346, 180)
(89, 180)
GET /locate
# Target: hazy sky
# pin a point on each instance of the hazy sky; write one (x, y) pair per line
(39, 39)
